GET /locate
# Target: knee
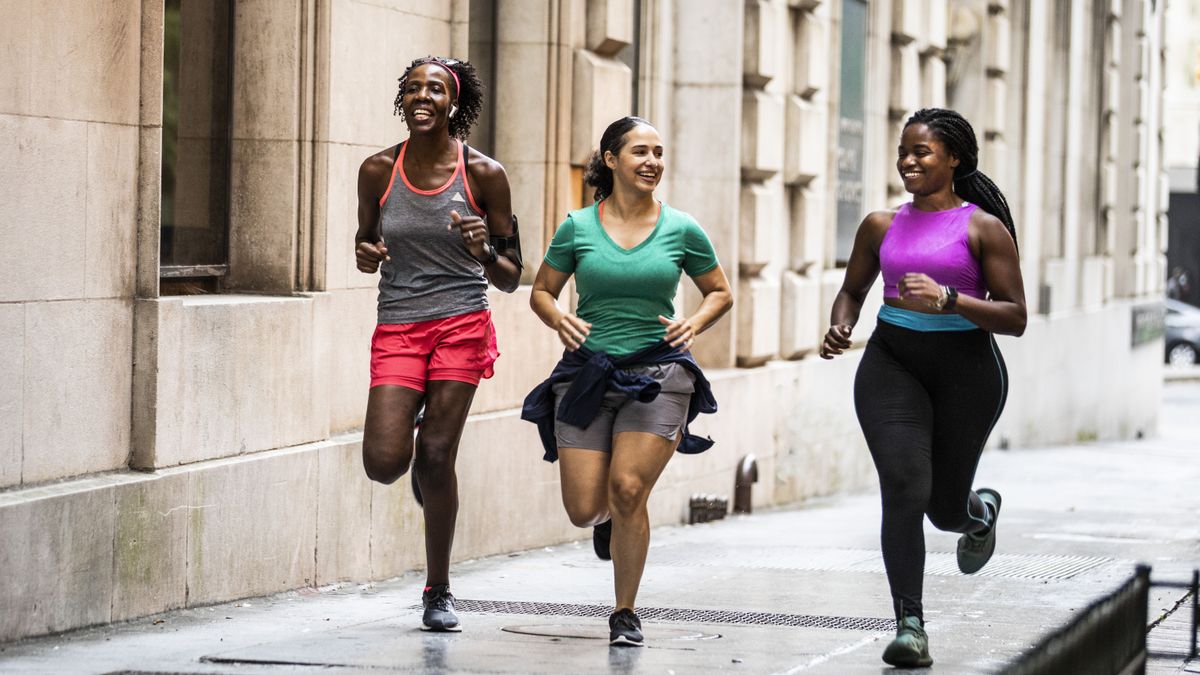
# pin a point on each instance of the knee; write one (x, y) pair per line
(586, 515)
(435, 458)
(627, 494)
(951, 517)
(383, 468)
(947, 521)
(904, 493)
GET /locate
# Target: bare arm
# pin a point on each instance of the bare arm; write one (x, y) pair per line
(861, 272)
(1004, 311)
(718, 299)
(373, 177)
(496, 201)
(544, 300)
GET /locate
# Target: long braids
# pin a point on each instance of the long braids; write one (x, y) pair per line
(969, 182)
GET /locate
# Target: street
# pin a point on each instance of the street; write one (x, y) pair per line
(784, 591)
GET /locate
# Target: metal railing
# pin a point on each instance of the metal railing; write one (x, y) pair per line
(1109, 636)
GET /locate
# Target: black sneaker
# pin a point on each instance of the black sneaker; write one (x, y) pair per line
(412, 470)
(601, 539)
(910, 649)
(975, 550)
(439, 610)
(624, 629)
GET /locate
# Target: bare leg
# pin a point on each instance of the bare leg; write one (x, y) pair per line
(388, 434)
(637, 462)
(584, 475)
(447, 404)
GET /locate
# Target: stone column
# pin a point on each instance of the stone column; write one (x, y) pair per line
(762, 161)
(806, 163)
(707, 138)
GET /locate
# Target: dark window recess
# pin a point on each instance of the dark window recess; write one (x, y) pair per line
(631, 56)
(197, 114)
(481, 29)
(851, 125)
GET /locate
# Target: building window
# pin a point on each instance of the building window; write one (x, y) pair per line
(196, 135)
(851, 125)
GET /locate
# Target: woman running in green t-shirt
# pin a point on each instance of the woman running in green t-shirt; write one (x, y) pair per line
(618, 403)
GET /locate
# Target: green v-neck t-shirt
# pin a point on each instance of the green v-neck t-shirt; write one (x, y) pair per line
(623, 291)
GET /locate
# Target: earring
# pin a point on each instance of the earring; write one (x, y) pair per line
(453, 109)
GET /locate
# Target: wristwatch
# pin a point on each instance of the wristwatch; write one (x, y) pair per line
(950, 298)
(490, 255)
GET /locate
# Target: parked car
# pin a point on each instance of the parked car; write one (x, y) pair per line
(1182, 333)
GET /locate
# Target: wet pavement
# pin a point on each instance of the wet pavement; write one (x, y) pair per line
(784, 591)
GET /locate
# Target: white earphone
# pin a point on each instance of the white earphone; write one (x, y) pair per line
(453, 109)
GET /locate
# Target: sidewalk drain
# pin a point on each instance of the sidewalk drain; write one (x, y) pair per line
(1006, 565)
(680, 615)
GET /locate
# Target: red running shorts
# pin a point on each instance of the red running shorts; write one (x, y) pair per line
(460, 348)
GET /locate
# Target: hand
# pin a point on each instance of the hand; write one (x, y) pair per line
(680, 332)
(836, 341)
(474, 234)
(921, 288)
(572, 330)
(368, 256)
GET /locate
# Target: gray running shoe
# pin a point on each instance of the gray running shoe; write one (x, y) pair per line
(975, 550)
(625, 629)
(910, 649)
(439, 610)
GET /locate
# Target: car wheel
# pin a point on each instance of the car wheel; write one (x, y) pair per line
(1182, 354)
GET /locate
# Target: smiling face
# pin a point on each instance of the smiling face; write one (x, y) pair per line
(638, 164)
(925, 164)
(427, 98)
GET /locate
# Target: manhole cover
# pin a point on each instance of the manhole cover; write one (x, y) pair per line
(600, 632)
(676, 614)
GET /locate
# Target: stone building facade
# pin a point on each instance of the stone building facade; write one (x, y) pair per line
(184, 333)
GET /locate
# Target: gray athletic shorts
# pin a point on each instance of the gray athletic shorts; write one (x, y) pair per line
(664, 416)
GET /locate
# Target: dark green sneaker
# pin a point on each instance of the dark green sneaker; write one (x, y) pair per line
(910, 649)
(975, 550)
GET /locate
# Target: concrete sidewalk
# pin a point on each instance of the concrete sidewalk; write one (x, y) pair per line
(775, 592)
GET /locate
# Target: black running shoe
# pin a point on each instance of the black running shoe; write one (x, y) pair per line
(625, 629)
(601, 539)
(975, 550)
(439, 610)
(412, 470)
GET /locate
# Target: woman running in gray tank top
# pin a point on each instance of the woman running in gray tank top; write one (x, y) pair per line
(435, 220)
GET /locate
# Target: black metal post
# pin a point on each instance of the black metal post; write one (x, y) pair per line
(1195, 611)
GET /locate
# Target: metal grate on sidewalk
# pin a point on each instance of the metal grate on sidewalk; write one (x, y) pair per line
(679, 615)
(1010, 565)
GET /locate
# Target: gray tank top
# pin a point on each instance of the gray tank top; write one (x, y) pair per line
(431, 274)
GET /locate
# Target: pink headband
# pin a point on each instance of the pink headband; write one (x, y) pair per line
(439, 62)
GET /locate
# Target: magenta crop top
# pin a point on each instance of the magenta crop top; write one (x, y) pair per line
(933, 243)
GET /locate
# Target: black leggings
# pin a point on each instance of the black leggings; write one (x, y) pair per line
(926, 402)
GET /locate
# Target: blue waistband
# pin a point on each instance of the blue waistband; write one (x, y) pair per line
(925, 323)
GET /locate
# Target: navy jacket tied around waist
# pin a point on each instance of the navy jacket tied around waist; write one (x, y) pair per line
(596, 372)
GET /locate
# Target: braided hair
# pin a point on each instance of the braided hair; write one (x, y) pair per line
(469, 100)
(596, 173)
(970, 183)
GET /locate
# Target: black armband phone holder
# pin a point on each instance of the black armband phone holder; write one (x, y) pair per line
(510, 243)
